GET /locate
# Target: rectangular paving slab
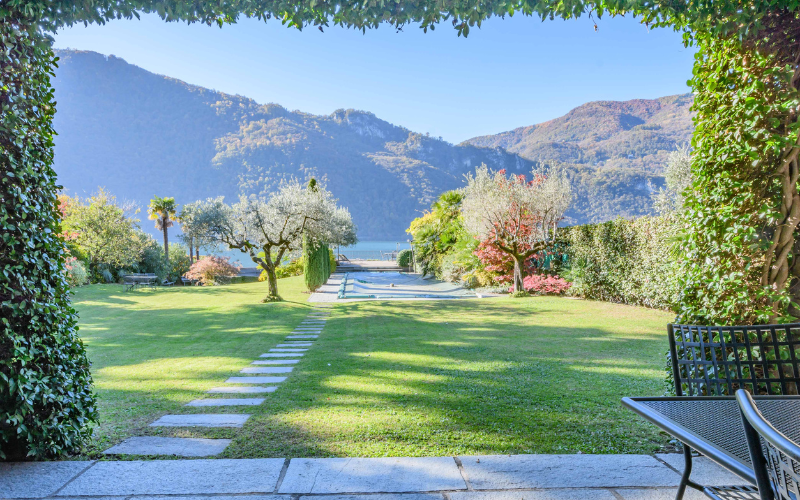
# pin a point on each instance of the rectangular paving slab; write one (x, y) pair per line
(287, 350)
(37, 479)
(367, 475)
(255, 380)
(275, 361)
(182, 447)
(170, 477)
(267, 369)
(241, 390)
(704, 470)
(302, 336)
(202, 420)
(297, 344)
(566, 471)
(226, 402)
(281, 355)
(565, 494)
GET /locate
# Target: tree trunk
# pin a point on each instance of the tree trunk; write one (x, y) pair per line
(166, 243)
(191, 244)
(273, 284)
(197, 253)
(519, 273)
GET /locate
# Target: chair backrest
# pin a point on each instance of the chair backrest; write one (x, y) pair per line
(718, 360)
(775, 458)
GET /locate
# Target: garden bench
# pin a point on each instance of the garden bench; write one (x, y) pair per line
(136, 280)
(709, 364)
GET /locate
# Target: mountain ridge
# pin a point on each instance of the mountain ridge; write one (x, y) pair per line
(139, 134)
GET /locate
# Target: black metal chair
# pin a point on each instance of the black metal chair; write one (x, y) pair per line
(719, 360)
(775, 458)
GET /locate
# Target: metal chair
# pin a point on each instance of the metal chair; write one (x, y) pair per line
(719, 360)
(775, 458)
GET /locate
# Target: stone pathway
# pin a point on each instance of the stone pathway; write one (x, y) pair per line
(252, 381)
(497, 477)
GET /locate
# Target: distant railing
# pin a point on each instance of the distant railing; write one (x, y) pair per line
(345, 255)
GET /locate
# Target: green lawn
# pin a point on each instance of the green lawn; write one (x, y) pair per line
(493, 376)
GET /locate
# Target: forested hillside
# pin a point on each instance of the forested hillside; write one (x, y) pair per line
(613, 149)
(139, 134)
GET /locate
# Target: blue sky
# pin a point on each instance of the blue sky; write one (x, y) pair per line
(510, 73)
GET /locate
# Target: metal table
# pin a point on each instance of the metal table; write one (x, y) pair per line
(713, 425)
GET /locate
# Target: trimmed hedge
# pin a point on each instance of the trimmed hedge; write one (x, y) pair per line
(46, 400)
(404, 258)
(624, 261)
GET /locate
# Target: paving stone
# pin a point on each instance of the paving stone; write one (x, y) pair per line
(203, 497)
(392, 496)
(297, 344)
(366, 475)
(302, 336)
(187, 477)
(36, 479)
(202, 420)
(566, 471)
(255, 380)
(226, 402)
(281, 355)
(704, 470)
(658, 494)
(287, 350)
(275, 361)
(267, 369)
(554, 494)
(242, 390)
(182, 447)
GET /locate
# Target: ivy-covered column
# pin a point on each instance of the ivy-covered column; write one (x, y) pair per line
(46, 400)
(741, 246)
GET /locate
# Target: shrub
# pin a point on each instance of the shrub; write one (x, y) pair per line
(626, 261)
(332, 259)
(315, 263)
(404, 258)
(292, 268)
(545, 285)
(76, 272)
(212, 270)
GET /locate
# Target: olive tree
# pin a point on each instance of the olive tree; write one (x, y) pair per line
(518, 217)
(269, 228)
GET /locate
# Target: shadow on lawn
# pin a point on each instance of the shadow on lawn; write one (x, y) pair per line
(494, 388)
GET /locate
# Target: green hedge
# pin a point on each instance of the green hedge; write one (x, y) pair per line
(404, 258)
(317, 265)
(625, 261)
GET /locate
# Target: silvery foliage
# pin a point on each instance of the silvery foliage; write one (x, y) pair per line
(279, 221)
(198, 220)
(494, 205)
(678, 177)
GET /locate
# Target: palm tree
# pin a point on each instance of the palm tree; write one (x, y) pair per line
(162, 210)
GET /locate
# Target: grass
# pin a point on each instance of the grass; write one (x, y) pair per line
(490, 376)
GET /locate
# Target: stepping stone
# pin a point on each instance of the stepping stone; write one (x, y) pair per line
(299, 344)
(302, 336)
(288, 350)
(181, 447)
(275, 362)
(267, 369)
(207, 420)
(281, 355)
(226, 402)
(204, 476)
(255, 380)
(244, 390)
(306, 331)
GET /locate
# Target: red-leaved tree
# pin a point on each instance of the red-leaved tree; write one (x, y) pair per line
(516, 216)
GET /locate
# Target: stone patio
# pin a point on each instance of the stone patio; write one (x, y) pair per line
(499, 477)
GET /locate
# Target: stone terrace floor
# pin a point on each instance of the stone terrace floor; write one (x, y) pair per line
(497, 477)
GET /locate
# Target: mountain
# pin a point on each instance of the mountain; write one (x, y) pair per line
(615, 151)
(139, 134)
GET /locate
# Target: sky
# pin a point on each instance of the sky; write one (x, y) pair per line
(510, 73)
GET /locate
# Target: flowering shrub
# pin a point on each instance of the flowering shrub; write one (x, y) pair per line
(545, 285)
(212, 270)
(76, 272)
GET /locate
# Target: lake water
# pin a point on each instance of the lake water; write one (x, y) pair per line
(362, 246)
